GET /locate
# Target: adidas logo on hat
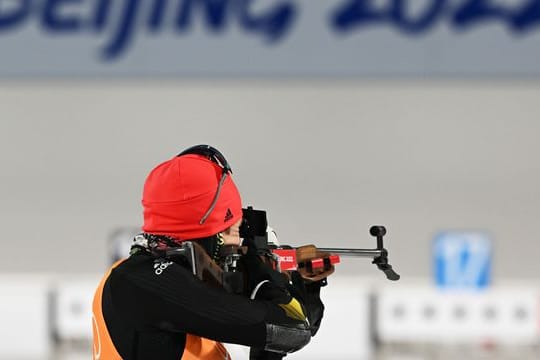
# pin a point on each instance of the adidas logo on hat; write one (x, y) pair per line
(228, 215)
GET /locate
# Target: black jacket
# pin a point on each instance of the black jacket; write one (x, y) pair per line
(149, 305)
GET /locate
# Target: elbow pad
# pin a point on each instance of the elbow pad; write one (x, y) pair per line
(286, 339)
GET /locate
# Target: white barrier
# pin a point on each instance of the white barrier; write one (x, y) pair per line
(405, 313)
(24, 315)
(345, 330)
(505, 315)
(73, 308)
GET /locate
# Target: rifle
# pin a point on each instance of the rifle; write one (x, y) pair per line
(222, 275)
(312, 263)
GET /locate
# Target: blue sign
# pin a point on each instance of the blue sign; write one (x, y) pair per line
(462, 260)
(269, 37)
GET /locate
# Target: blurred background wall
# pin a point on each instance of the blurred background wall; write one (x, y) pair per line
(326, 158)
(335, 115)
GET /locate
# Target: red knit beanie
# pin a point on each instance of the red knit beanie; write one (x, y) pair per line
(177, 194)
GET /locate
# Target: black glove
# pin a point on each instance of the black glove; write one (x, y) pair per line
(278, 289)
(264, 283)
(256, 272)
(309, 294)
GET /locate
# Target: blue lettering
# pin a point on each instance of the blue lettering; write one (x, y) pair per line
(423, 23)
(14, 17)
(355, 13)
(122, 19)
(528, 17)
(52, 19)
(273, 24)
(214, 11)
(101, 14)
(475, 11)
(183, 20)
(125, 31)
(155, 21)
(363, 12)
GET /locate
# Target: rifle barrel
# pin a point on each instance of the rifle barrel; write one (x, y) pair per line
(353, 252)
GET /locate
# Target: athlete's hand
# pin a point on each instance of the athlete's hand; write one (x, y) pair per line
(257, 272)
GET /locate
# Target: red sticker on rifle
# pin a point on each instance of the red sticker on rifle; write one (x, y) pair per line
(287, 258)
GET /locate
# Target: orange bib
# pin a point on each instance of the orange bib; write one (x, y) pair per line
(201, 348)
(197, 348)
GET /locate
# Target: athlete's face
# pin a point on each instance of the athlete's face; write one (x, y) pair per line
(231, 236)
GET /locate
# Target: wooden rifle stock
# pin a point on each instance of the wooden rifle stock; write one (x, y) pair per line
(314, 264)
(205, 268)
(224, 274)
